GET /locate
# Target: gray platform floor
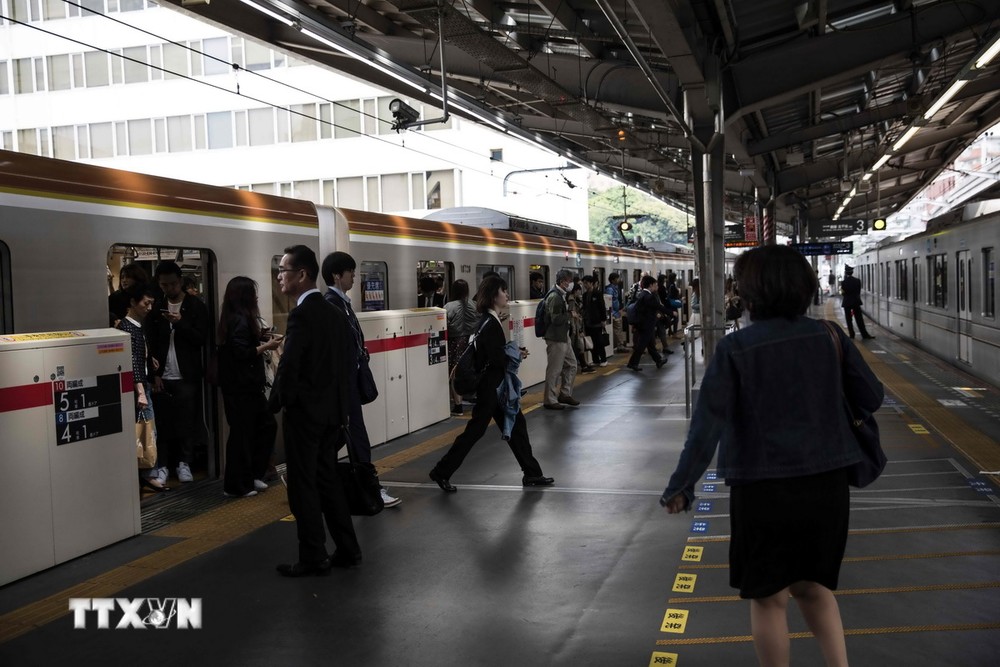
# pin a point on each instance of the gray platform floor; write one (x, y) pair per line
(581, 573)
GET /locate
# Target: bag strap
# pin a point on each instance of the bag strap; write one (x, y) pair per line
(840, 358)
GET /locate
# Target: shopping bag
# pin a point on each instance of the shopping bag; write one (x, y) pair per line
(145, 443)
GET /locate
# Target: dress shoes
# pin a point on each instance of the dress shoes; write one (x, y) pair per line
(868, 337)
(344, 561)
(633, 368)
(305, 569)
(536, 481)
(442, 481)
(568, 400)
(553, 406)
(661, 363)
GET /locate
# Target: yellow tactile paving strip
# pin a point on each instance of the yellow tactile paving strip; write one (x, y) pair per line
(850, 632)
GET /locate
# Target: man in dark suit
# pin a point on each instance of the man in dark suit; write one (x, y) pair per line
(647, 306)
(311, 386)
(851, 303)
(338, 273)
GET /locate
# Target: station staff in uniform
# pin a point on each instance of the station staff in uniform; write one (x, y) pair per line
(851, 303)
(311, 386)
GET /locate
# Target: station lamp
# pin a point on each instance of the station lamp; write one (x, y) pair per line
(879, 225)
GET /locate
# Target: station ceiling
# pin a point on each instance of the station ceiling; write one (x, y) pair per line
(807, 95)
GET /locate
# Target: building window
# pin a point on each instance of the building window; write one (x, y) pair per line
(440, 189)
(989, 286)
(347, 119)
(96, 67)
(179, 137)
(261, 126)
(136, 64)
(395, 192)
(140, 137)
(220, 130)
(351, 192)
(60, 76)
(303, 119)
(216, 55)
(64, 142)
(4, 79)
(496, 154)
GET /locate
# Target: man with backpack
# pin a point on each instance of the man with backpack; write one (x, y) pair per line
(560, 369)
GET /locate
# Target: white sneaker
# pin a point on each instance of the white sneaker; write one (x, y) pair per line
(248, 494)
(184, 472)
(603, 364)
(388, 500)
(260, 485)
(162, 474)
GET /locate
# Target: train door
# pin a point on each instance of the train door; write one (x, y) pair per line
(434, 279)
(6, 292)
(964, 306)
(198, 269)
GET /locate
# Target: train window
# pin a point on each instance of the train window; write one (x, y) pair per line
(6, 291)
(542, 270)
(916, 279)
(374, 279)
(599, 273)
(937, 281)
(505, 272)
(989, 287)
(196, 267)
(433, 280)
(901, 283)
(888, 281)
(636, 276)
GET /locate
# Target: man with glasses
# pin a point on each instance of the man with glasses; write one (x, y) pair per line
(311, 387)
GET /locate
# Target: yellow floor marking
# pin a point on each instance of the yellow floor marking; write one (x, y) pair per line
(850, 632)
(988, 525)
(919, 429)
(971, 586)
(869, 559)
(661, 658)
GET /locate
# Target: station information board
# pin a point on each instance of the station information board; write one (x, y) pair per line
(832, 248)
(87, 408)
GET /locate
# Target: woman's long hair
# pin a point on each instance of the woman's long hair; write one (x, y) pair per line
(240, 301)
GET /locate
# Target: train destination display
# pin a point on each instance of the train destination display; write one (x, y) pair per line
(87, 408)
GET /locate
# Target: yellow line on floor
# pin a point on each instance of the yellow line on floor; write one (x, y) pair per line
(850, 632)
(971, 586)
(864, 559)
(988, 525)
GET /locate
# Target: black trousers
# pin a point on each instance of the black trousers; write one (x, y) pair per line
(251, 440)
(645, 340)
(857, 318)
(598, 354)
(487, 408)
(315, 493)
(177, 421)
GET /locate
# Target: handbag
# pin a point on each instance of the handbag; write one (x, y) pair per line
(145, 443)
(361, 485)
(588, 343)
(464, 377)
(865, 430)
(367, 389)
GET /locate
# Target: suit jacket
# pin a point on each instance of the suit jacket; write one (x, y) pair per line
(647, 305)
(355, 342)
(312, 377)
(851, 287)
(490, 352)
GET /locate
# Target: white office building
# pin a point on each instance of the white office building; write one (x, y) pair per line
(130, 85)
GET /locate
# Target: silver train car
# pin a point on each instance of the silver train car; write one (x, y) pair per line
(937, 289)
(66, 229)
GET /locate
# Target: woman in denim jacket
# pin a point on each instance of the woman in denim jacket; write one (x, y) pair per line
(772, 401)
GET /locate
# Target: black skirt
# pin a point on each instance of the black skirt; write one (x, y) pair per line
(788, 530)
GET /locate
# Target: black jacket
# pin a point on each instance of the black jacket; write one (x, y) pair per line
(312, 377)
(851, 288)
(594, 310)
(355, 342)
(490, 346)
(190, 336)
(241, 369)
(647, 306)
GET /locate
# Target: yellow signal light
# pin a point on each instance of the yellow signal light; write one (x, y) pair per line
(879, 224)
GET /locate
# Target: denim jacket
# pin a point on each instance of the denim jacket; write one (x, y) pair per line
(772, 400)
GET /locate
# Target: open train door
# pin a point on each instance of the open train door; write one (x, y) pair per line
(964, 307)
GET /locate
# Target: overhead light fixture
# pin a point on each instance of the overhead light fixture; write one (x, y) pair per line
(472, 111)
(880, 163)
(989, 54)
(269, 12)
(945, 98)
(371, 63)
(906, 137)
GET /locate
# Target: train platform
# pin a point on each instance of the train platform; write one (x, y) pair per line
(588, 572)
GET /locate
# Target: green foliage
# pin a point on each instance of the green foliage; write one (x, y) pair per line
(665, 222)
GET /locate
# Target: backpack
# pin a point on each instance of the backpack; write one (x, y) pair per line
(632, 311)
(465, 377)
(734, 310)
(542, 315)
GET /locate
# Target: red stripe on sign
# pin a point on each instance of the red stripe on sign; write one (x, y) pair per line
(25, 397)
(128, 382)
(398, 343)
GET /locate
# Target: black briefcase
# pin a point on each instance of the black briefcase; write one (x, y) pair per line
(361, 485)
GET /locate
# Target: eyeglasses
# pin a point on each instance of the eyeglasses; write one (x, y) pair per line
(283, 270)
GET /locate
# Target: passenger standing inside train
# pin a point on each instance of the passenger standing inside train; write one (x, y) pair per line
(594, 315)
(311, 387)
(647, 309)
(338, 273)
(429, 296)
(560, 366)
(178, 331)
(462, 321)
(141, 300)
(787, 469)
(242, 345)
(118, 301)
(536, 285)
(850, 287)
(492, 353)
(614, 290)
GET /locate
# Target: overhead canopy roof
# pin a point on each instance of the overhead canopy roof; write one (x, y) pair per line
(812, 92)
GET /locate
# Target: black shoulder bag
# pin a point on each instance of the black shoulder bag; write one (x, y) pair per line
(361, 485)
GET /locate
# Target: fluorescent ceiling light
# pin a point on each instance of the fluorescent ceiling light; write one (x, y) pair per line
(880, 163)
(991, 53)
(273, 14)
(868, 176)
(945, 98)
(329, 42)
(906, 137)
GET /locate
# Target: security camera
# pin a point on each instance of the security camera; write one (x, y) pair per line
(403, 114)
